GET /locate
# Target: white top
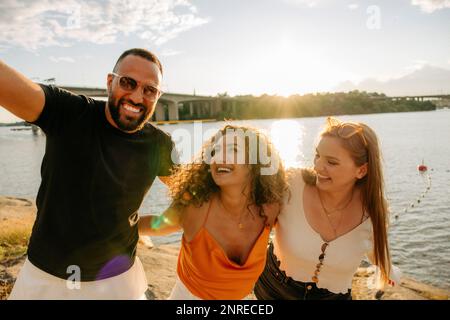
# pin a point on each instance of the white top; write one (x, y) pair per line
(298, 246)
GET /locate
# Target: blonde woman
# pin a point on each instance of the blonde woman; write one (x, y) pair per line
(336, 215)
(218, 204)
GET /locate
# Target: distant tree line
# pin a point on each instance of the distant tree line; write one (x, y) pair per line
(315, 105)
(298, 106)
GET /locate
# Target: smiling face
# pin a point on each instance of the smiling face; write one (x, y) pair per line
(335, 167)
(226, 167)
(130, 110)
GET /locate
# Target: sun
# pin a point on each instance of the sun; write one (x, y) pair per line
(290, 67)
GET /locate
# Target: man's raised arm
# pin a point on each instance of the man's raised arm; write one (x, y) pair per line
(19, 95)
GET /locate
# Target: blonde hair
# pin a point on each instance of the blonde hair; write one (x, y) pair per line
(193, 184)
(362, 144)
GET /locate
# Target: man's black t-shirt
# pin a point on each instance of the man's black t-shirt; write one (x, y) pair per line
(94, 179)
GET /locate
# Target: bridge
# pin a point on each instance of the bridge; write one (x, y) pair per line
(441, 101)
(176, 107)
(171, 106)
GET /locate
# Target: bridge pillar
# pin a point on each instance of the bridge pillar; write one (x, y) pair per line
(211, 108)
(191, 109)
(216, 107)
(208, 109)
(160, 114)
(173, 111)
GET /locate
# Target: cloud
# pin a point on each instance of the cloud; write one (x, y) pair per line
(170, 52)
(36, 24)
(353, 6)
(417, 65)
(308, 3)
(430, 6)
(62, 59)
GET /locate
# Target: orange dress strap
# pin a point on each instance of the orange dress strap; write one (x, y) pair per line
(207, 213)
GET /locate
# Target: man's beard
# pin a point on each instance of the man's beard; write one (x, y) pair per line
(124, 122)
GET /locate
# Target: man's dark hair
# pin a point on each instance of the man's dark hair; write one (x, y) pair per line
(141, 53)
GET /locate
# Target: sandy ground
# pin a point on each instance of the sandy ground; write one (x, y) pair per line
(160, 265)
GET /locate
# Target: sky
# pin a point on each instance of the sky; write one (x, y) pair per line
(239, 47)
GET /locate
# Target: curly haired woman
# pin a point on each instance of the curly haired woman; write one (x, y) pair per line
(218, 202)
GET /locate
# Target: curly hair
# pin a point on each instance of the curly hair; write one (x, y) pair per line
(192, 184)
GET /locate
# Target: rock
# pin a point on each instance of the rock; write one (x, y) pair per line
(425, 290)
(15, 202)
(379, 294)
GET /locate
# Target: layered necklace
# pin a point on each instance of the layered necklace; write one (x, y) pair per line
(329, 212)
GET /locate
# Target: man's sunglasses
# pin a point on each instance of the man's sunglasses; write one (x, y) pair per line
(129, 84)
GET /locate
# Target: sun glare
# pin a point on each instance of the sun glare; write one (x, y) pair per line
(287, 136)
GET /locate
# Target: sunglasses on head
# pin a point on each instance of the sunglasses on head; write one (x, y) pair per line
(346, 130)
(129, 84)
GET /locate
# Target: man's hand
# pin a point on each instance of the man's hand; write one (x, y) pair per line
(20, 95)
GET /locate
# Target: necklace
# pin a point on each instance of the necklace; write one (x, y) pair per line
(240, 225)
(329, 213)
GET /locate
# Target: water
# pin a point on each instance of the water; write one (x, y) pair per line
(419, 238)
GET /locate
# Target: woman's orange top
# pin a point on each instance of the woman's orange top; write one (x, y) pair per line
(208, 273)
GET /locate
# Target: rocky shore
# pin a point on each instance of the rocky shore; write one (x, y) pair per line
(160, 262)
